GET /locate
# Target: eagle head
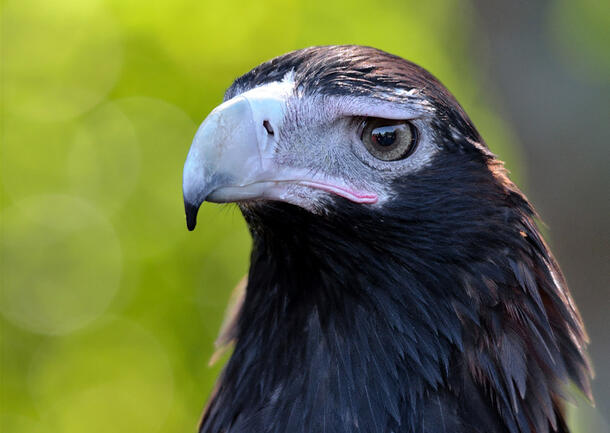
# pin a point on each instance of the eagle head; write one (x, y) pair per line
(398, 280)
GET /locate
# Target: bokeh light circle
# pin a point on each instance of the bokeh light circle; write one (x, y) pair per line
(61, 263)
(60, 57)
(112, 378)
(103, 164)
(96, 157)
(154, 220)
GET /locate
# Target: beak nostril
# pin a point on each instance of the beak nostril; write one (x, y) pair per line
(268, 127)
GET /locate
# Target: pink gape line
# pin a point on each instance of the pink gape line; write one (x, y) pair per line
(355, 196)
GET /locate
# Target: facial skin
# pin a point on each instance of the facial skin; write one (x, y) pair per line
(273, 142)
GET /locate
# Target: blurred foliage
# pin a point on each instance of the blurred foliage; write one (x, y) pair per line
(109, 307)
(580, 29)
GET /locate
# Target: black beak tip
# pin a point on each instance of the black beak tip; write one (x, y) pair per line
(191, 215)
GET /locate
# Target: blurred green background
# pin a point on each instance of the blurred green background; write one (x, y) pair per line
(108, 306)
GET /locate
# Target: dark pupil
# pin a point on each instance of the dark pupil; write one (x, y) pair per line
(384, 136)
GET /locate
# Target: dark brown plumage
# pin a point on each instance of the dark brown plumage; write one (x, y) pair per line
(438, 308)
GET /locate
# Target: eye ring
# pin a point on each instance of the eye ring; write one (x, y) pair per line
(388, 139)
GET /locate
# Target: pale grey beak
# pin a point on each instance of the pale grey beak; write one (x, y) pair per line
(223, 157)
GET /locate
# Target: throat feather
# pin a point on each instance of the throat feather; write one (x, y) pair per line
(338, 342)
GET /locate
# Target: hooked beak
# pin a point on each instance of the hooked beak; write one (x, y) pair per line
(223, 159)
(231, 158)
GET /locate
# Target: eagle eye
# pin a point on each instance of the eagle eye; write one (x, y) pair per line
(387, 139)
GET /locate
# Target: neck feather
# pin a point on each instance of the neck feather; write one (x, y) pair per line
(384, 321)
